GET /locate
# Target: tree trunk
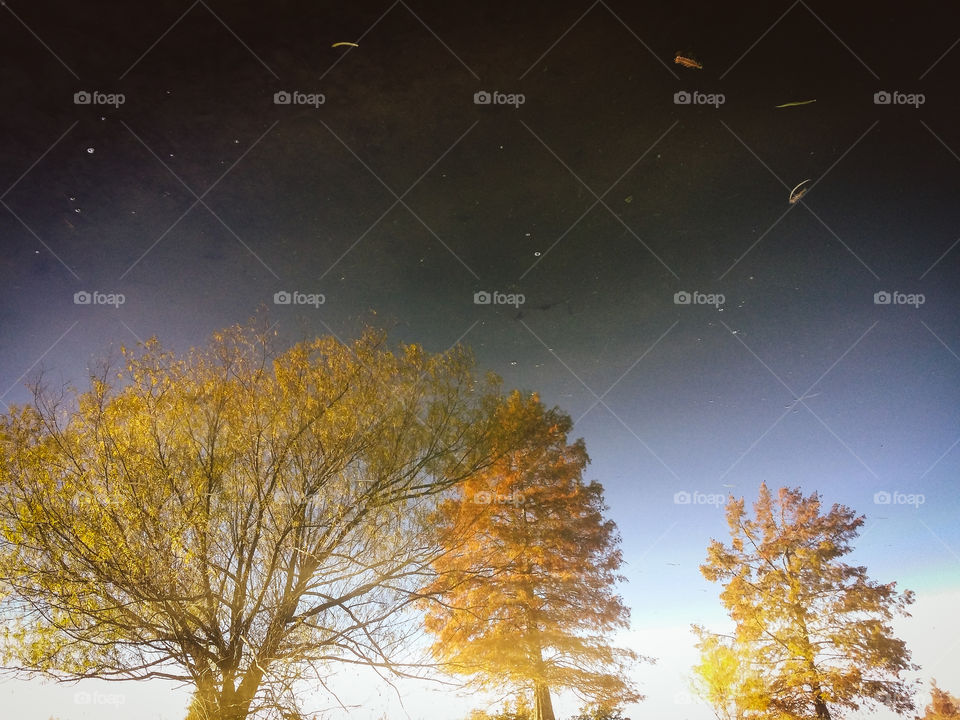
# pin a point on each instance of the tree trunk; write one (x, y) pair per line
(204, 703)
(223, 704)
(823, 712)
(543, 706)
(819, 705)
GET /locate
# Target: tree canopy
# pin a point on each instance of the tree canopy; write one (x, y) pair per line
(235, 518)
(526, 588)
(727, 678)
(943, 705)
(811, 630)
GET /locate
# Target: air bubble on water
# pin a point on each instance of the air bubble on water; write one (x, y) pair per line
(90, 150)
(537, 254)
(513, 362)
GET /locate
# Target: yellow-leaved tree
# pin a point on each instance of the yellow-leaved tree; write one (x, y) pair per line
(524, 595)
(727, 679)
(236, 518)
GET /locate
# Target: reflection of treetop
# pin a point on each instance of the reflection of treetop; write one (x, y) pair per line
(812, 636)
(525, 596)
(230, 517)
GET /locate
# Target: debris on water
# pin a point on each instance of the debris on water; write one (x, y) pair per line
(687, 62)
(798, 192)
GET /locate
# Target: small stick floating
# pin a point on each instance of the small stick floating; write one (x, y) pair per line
(344, 43)
(687, 62)
(794, 104)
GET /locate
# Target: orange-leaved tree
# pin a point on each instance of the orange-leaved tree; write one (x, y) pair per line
(524, 596)
(815, 629)
(943, 705)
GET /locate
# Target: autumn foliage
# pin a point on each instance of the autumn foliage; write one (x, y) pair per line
(237, 518)
(943, 705)
(812, 634)
(242, 519)
(524, 592)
